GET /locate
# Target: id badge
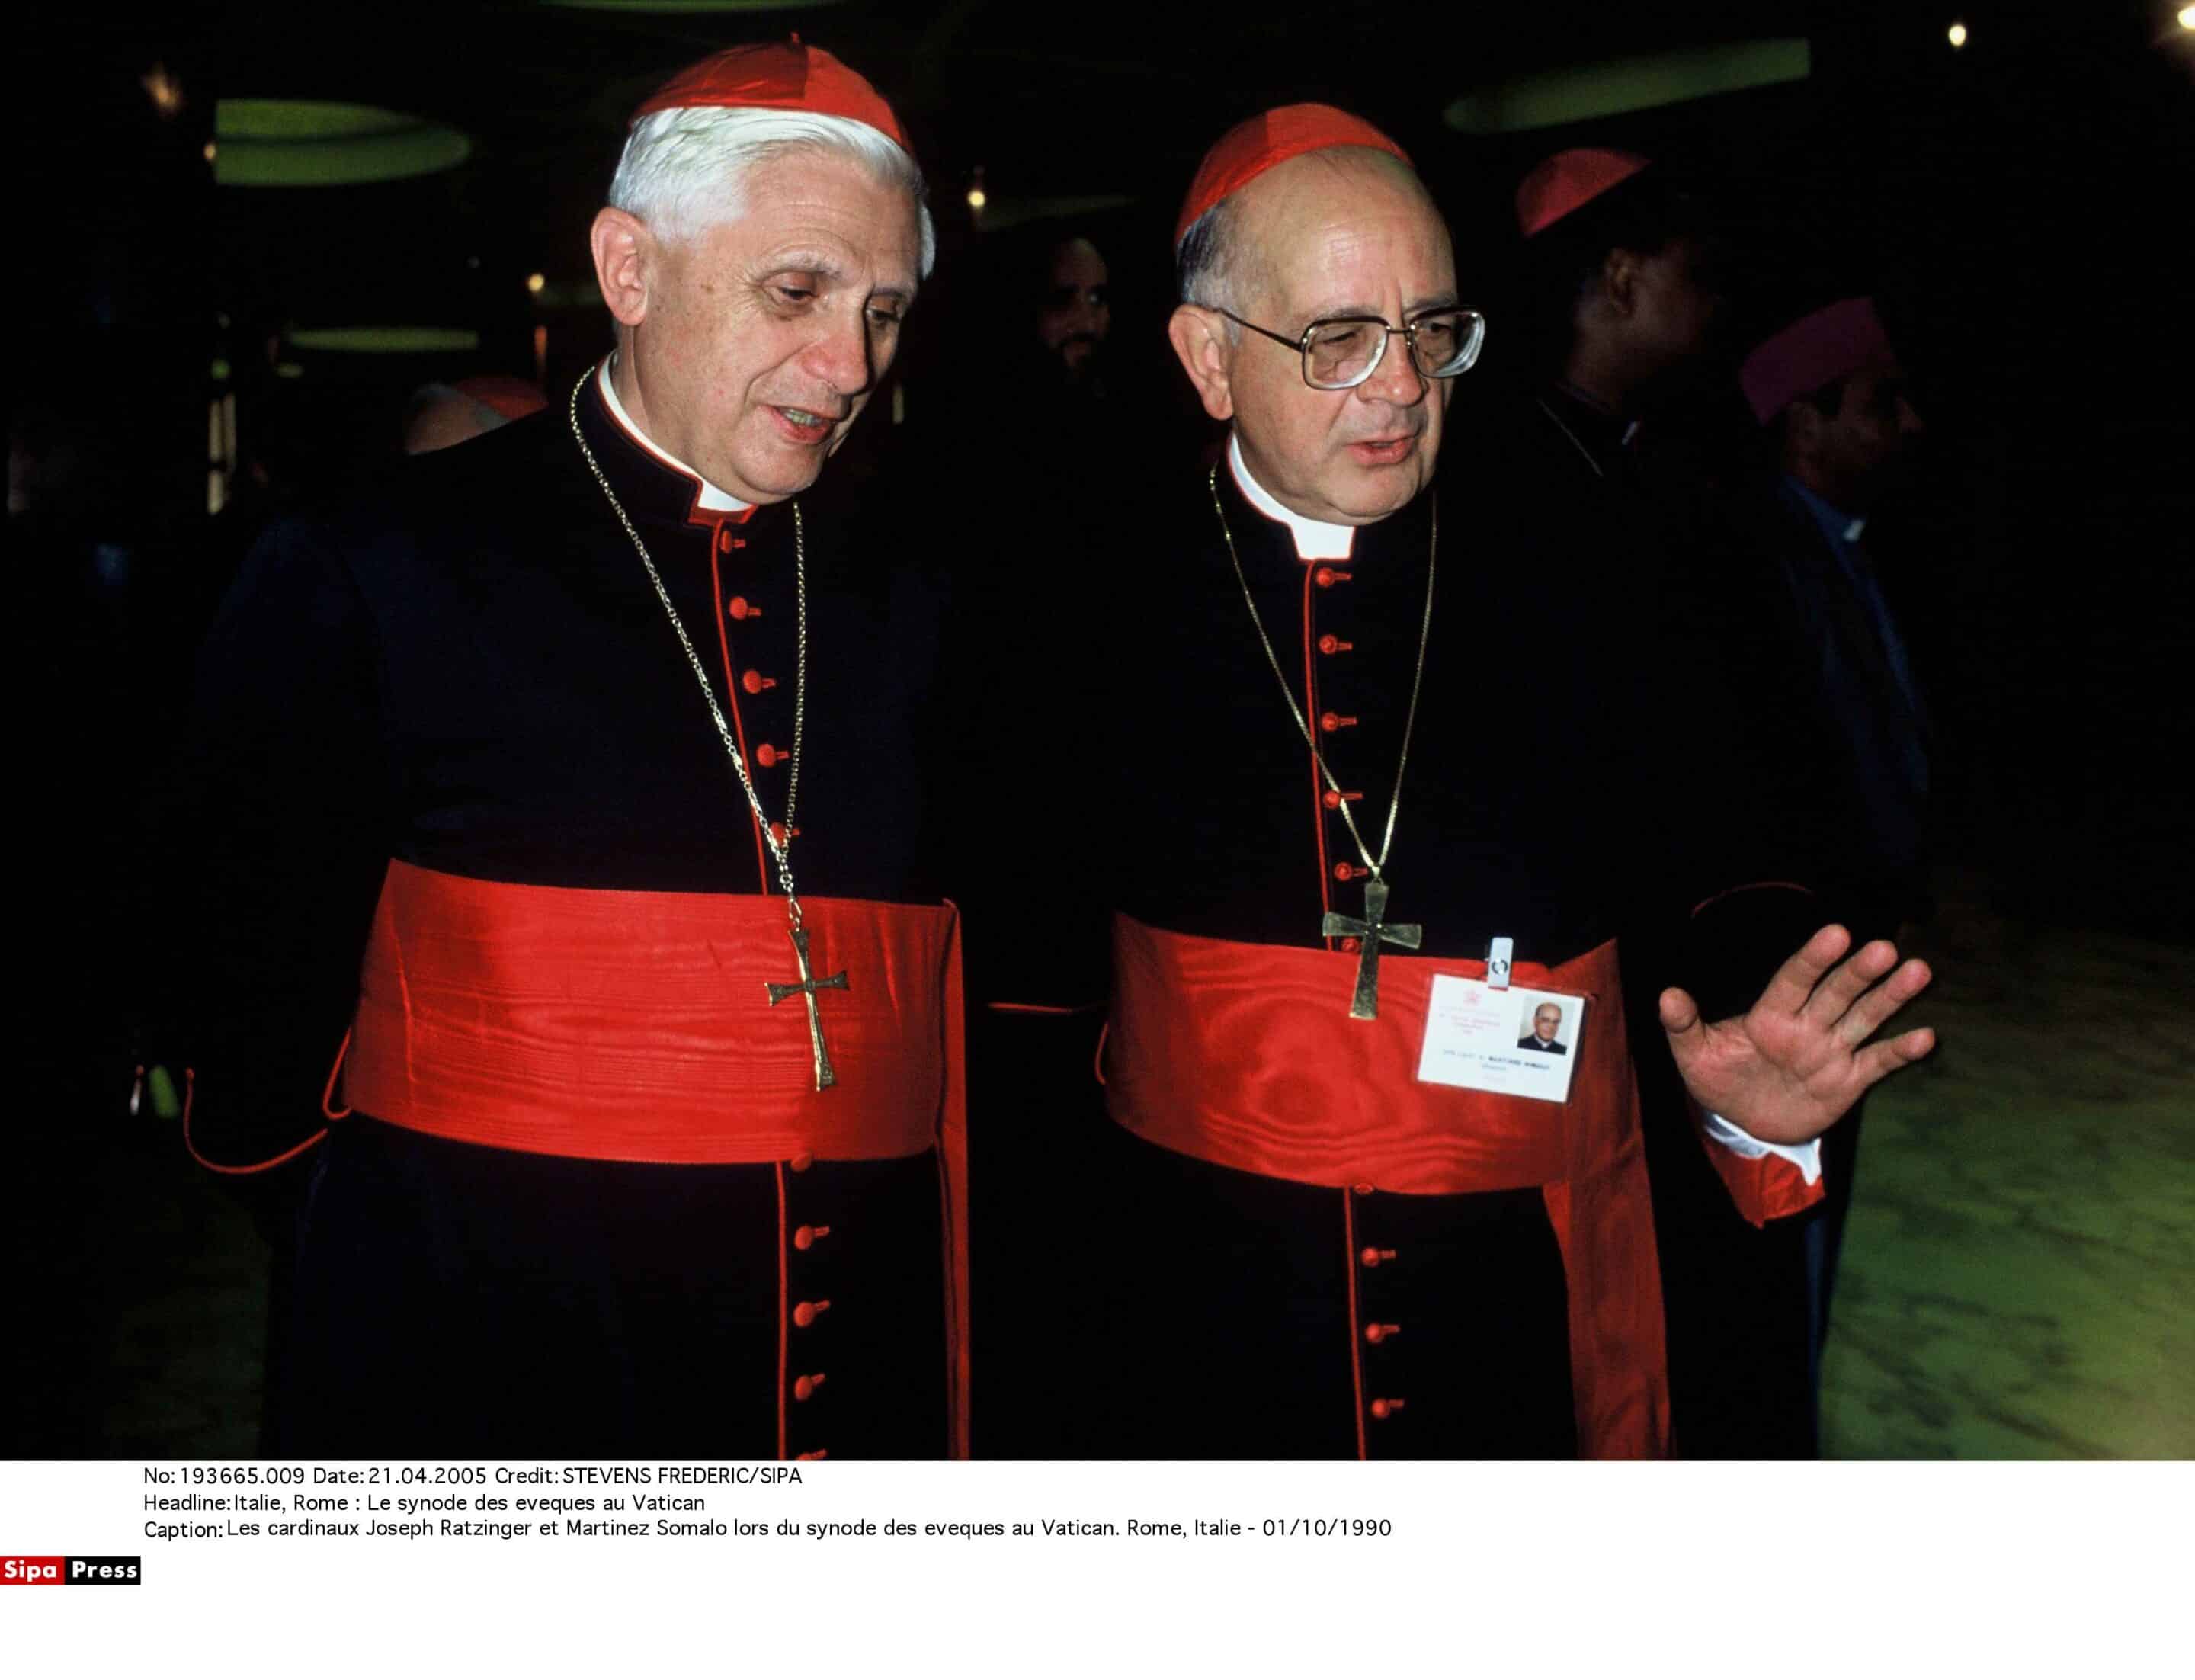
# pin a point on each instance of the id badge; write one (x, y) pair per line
(1510, 1040)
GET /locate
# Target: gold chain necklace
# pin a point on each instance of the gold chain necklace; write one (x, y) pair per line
(780, 850)
(1375, 927)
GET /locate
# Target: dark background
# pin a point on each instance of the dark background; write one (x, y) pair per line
(2020, 206)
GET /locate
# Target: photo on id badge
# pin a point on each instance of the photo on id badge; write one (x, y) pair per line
(1514, 1040)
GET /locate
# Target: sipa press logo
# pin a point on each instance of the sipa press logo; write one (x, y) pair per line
(21, 1571)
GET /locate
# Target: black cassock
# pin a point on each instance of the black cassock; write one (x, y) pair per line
(1198, 1310)
(472, 677)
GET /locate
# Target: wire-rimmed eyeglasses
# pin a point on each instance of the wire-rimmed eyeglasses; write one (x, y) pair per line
(1343, 351)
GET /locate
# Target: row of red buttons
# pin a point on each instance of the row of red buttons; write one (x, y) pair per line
(805, 1313)
(1332, 723)
(1371, 1259)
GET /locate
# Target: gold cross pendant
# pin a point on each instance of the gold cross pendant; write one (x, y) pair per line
(1365, 1006)
(808, 987)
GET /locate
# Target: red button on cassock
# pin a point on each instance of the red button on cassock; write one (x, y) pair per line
(806, 1386)
(1333, 644)
(1325, 577)
(754, 682)
(1376, 1256)
(1375, 1334)
(1383, 1409)
(740, 607)
(1333, 800)
(1362, 1189)
(802, 1161)
(766, 755)
(808, 1312)
(1348, 872)
(1352, 943)
(808, 1236)
(1333, 721)
(809, 1458)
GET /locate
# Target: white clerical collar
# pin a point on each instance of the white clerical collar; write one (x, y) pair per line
(711, 499)
(1315, 540)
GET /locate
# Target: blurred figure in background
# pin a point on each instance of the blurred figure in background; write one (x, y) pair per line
(1623, 270)
(1832, 390)
(1789, 596)
(1076, 312)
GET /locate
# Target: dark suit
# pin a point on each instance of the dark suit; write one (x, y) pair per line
(1531, 1041)
(1838, 777)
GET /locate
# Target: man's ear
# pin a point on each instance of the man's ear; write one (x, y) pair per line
(624, 251)
(1199, 338)
(1619, 281)
(1803, 426)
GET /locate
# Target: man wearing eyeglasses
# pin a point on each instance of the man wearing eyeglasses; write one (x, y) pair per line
(1339, 1214)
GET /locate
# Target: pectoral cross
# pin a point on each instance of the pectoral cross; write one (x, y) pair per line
(808, 986)
(1365, 1006)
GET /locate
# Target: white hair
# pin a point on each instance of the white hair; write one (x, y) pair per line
(685, 170)
(1209, 264)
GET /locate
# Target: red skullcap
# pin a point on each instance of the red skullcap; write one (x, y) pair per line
(1248, 149)
(780, 75)
(1569, 179)
(1813, 351)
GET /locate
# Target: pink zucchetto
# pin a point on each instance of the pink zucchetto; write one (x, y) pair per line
(1831, 344)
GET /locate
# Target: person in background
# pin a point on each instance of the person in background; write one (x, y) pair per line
(1076, 312)
(1819, 640)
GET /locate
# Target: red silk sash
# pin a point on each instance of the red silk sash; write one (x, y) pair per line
(1246, 1056)
(636, 1026)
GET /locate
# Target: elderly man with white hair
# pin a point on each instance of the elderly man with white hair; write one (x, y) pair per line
(559, 813)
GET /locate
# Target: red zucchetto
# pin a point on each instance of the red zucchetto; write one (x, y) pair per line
(779, 76)
(1831, 344)
(1248, 149)
(1569, 180)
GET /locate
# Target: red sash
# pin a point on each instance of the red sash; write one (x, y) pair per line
(1246, 1056)
(636, 1026)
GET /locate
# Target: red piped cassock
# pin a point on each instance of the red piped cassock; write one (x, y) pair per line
(1300, 1249)
(465, 811)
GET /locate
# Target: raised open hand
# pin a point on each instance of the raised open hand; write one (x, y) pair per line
(1787, 1069)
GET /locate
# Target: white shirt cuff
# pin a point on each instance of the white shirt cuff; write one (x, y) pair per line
(1805, 1157)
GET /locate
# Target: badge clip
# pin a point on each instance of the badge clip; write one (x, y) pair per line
(1498, 955)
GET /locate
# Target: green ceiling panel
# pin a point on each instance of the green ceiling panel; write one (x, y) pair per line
(386, 340)
(691, 5)
(1584, 92)
(303, 142)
